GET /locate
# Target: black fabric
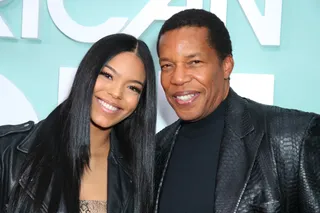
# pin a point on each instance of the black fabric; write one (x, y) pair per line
(190, 180)
(268, 160)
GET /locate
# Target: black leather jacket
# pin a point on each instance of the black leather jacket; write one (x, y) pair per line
(15, 143)
(269, 159)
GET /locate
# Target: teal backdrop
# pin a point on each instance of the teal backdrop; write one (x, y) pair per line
(32, 65)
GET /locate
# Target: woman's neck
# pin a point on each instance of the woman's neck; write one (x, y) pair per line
(99, 141)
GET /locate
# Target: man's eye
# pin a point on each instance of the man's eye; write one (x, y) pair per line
(165, 66)
(195, 62)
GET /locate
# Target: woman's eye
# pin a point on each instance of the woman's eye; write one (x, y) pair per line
(135, 89)
(107, 75)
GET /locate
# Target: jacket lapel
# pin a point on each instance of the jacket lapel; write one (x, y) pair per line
(120, 187)
(25, 147)
(165, 144)
(238, 152)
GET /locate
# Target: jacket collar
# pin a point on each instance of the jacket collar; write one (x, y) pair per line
(26, 144)
(237, 116)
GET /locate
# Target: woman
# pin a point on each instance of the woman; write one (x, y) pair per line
(95, 151)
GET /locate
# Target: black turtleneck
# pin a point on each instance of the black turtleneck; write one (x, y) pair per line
(189, 184)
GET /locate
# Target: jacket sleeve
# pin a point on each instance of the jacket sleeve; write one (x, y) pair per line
(309, 169)
(8, 142)
(3, 188)
(1, 185)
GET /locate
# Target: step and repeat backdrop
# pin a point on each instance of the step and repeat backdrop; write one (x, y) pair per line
(276, 48)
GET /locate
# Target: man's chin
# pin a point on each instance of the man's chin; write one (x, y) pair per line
(189, 117)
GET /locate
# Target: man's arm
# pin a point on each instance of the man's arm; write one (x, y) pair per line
(309, 169)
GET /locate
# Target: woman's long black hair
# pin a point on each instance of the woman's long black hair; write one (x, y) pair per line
(61, 153)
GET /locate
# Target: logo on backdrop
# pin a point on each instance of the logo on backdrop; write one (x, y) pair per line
(267, 29)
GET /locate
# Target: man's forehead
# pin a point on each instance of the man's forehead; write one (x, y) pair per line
(187, 46)
(183, 37)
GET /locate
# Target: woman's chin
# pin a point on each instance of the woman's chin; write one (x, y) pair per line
(101, 125)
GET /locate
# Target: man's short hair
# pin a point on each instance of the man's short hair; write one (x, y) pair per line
(218, 35)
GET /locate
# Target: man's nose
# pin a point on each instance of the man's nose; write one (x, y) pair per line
(180, 75)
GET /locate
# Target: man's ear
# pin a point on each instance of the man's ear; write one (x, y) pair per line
(227, 66)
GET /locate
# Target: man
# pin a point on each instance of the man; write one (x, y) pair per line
(227, 153)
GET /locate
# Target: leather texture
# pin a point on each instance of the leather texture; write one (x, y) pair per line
(269, 160)
(15, 144)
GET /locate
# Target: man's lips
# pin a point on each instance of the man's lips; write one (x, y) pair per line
(185, 97)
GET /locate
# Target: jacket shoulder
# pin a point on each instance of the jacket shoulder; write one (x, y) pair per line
(16, 128)
(284, 127)
(12, 135)
(289, 125)
(279, 116)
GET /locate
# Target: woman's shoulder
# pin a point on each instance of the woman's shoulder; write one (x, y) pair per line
(13, 136)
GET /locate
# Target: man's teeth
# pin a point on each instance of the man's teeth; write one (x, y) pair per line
(108, 106)
(185, 97)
